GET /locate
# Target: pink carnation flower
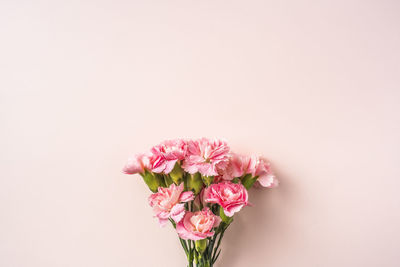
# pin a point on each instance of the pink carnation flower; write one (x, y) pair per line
(197, 225)
(168, 203)
(165, 155)
(266, 177)
(137, 164)
(240, 165)
(206, 156)
(231, 197)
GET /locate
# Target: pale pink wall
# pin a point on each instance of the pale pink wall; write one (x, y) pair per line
(313, 85)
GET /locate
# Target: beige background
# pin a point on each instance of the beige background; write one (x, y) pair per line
(313, 85)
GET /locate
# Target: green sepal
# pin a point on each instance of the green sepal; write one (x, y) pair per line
(194, 182)
(177, 174)
(248, 181)
(168, 180)
(201, 246)
(160, 179)
(207, 180)
(151, 181)
(235, 180)
(223, 216)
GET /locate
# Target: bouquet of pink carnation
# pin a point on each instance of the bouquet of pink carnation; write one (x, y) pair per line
(198, 186)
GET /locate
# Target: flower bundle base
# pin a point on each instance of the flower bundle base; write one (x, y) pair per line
(198, 186)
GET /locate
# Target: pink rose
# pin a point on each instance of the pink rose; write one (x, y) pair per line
(137, 164)
(165, 155)
(168, 203)
(197, 225)
(206, 156)
(231, 197)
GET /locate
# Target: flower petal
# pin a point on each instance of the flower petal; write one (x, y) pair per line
(177, 212)
(268, 181)
(186, 196)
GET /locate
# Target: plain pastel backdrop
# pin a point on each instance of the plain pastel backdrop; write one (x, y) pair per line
(312, 85)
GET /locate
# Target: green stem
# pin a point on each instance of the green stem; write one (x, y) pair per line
(190, 253)
(214, 256)
(211, 245)
(183, 243)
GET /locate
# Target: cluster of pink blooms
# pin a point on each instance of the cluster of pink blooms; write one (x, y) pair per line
(199, 185)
